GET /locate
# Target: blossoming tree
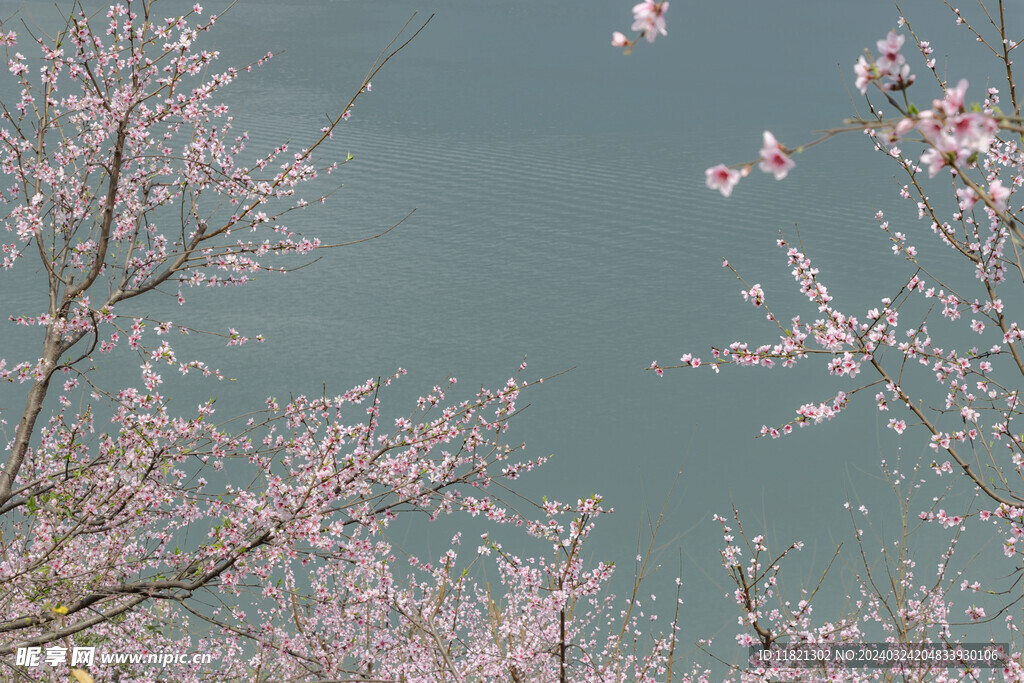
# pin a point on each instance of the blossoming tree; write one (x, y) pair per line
(965, 398)
(254, 549)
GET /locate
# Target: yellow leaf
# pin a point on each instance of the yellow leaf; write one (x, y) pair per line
(81, 676)
(61, 610)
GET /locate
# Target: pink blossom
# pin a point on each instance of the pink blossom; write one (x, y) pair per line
(754, 295)
(968, 198)
(975, 613)
(865, 74)
(649, 19)
(973, 131)
(999, 194)
(889, 49)
(773, 159)
(722, 178)
(943, 152)
(953, 102)
(619, 40)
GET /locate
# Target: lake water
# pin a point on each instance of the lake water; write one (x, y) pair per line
(561, 214)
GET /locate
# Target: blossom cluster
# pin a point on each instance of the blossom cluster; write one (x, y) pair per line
(648, 21)
(774, 159)
(889, 69)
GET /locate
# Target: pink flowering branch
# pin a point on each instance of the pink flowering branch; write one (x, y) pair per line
(955, 137)
(964, 399)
